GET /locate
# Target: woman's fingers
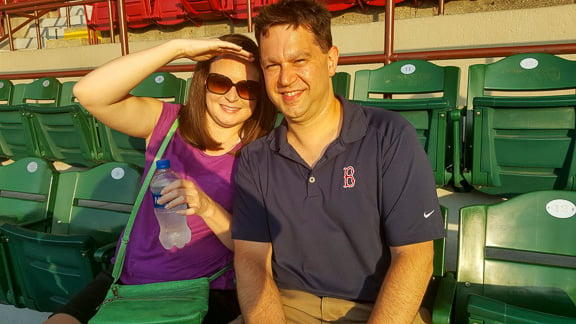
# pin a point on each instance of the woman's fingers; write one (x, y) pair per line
(182, 192)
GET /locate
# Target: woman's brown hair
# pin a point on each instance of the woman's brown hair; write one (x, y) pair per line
(192, 115)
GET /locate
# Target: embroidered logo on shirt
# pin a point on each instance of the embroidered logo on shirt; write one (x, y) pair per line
(349, 180)
(427, 214)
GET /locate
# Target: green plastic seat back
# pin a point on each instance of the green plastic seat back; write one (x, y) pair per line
(17, 139)
(43, 91)
(5, 92)
(117, 146)
(96, 202)
(26, 191)
(161, 85)
(26, 198)
(67, 96)
(65, 134)
(521, 143)
(341, 84)
(520, 252)
(428, 92)
(91, 209)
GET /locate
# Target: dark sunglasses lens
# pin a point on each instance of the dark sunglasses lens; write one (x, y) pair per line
(218, 84)
(248, 89)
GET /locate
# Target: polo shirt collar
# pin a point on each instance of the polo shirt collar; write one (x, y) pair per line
(354, 127)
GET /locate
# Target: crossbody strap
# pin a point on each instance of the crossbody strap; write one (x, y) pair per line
(119, 263)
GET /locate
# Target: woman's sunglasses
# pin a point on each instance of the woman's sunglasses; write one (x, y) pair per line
(220, 84)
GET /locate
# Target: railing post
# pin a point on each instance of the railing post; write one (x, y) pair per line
(123, 33)
(38, 34)
(249, 3)
(9, 25)
(389, 31)
(111, 18)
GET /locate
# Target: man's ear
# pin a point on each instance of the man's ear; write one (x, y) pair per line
(332, 60)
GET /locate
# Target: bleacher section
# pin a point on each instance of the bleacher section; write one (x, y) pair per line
(516, 259)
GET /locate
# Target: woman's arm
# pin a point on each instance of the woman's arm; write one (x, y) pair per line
(104, 92)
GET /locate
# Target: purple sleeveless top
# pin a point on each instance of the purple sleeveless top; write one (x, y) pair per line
(146, 260)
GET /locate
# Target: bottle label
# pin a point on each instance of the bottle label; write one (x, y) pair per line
(156, 204)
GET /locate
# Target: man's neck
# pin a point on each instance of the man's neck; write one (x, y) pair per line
(311, 139)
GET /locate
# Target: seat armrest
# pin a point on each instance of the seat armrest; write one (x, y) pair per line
(105, 253)
(444, 298)
(484, 309)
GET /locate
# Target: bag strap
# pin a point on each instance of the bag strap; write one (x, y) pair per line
(220, 272)
(119, 263)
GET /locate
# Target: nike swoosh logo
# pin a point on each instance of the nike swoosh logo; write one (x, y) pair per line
(426, 215)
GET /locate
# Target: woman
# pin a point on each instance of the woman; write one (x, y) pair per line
(227, 109)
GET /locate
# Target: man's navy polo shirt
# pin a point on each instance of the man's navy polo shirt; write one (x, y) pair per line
(331, 226)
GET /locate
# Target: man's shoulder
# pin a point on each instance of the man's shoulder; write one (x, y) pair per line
(259, 145)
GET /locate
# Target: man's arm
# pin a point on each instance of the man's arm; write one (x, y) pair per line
(405, 284)
(258, 295)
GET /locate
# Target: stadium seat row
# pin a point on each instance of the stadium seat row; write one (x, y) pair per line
(142, 13)
(500, 143)
(59, 229)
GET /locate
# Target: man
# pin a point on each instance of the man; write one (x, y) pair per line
(336, 209)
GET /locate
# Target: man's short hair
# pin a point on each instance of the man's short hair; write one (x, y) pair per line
(309, 14)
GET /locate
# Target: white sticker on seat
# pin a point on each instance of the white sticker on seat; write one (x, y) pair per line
(32, 167)
(529, 63)
(159, 79)
(561, 208)
(117, 173)
(408, 69)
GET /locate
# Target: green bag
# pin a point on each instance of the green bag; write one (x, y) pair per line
(184, 301)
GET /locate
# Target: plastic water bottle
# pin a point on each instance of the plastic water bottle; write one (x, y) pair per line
(174, 230)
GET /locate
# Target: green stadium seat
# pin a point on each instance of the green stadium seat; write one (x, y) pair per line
(162, 85)
(520, 141)
(17, 139)
(341, 84)
(516, 263)
(43, 91)
(90, 211)
(26, 198)
(425, 94)
(65, 134)
(5, 92)
(117, 146)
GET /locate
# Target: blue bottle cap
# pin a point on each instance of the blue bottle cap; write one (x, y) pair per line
(163, 164)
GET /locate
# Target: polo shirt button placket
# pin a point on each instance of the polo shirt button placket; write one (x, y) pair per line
(312, 179)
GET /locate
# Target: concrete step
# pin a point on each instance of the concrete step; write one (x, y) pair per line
(75, 20)
(25, 43)
(47, 32)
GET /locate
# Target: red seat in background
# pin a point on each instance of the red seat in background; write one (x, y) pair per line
(168, 12)
(138, 15)
(203, 9)
(238, 9)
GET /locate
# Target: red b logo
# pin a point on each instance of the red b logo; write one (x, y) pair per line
(349, 180)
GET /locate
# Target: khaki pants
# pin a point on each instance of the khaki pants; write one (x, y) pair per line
(301, 307)
(304, 308)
